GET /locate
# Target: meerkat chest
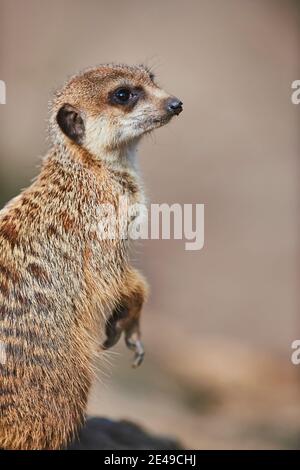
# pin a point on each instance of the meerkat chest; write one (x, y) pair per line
(120, 201)
(129, 197)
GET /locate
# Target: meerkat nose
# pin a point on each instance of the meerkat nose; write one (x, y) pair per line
(174, 105)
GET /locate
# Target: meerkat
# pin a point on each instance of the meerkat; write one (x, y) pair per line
(62, 285)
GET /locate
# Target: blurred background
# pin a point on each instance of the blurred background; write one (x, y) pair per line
(220, 322)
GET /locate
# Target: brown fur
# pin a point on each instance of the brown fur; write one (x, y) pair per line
(60, 282)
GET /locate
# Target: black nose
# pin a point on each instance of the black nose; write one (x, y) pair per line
(174, 106)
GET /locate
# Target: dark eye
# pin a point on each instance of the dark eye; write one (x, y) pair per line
(122, 96)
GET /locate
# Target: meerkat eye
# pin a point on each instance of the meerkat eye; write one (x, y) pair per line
(126, 96)
(122, 95)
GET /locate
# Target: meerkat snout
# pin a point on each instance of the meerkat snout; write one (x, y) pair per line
(109, 107)
(174, 106)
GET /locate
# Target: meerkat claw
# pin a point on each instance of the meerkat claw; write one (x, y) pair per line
(138, 348)
(139, 355)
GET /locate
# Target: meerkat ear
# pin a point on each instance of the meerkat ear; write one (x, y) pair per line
(71, 123)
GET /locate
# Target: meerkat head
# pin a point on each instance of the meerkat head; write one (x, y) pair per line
(108, 108)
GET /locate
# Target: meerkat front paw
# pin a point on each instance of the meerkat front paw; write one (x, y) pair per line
(121, 322)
